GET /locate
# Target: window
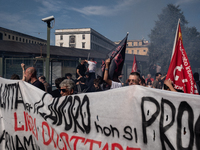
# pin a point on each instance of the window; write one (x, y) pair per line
(61, 44)
(83, 36)
(1, 36)
(138, 51)
(132, 51)
(83, 45)
(20, 39)
(72, 40)
(13, 37)
(126, 51)
(8, 36)
(16, 38)
(61, 37)
(144, 50)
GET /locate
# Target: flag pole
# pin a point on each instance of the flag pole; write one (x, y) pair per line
(175, 38)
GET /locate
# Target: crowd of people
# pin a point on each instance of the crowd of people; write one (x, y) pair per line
(87, 80)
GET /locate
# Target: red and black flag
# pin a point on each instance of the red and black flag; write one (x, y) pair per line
(117, 57)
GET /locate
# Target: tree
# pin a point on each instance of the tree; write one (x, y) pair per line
(163, 34)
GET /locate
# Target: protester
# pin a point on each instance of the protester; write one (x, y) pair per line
(15, 77)
(30, 76)
(196, 78)
(157, 83)
(46, 85)
(81, 69)
(169, 86)
(80, 87)
(91, 68)
(67, 87)
(134, 78)
(115, 83)
(149, 79)
(97, 85)
(56, 92)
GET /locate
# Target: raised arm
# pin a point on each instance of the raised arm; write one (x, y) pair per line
(105, 78)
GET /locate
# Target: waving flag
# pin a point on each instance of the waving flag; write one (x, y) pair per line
(180, 72)
(117, 57)
(134, 67)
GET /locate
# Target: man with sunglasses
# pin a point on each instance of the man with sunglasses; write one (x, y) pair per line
(134, 78)
(67, 87)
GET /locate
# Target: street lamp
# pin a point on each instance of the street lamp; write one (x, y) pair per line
(48, 21)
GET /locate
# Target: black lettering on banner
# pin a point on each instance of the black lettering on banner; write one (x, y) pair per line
(10, 96)
(163, 137)
(19, 145)
(36, 108)
(184, 106)
(68, 126)
(52, 108)
(75, 115)
(87, 104)
(146, 123)
(135, 131)
(98, 127)
(28, 142)
(197, 132)
(19, 98)
(128, 131)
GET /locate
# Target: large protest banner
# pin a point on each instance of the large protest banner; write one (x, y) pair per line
(127, 118)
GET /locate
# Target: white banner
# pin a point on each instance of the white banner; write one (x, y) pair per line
(128, 118)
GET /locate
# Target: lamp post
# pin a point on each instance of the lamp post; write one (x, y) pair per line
(48, 21)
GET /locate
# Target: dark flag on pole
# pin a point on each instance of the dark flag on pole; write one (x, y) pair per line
(117, 57)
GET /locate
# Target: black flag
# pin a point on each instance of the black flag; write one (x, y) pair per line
(117, 57)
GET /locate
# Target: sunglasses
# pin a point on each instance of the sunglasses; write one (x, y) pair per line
(63, 90)
(129, 80)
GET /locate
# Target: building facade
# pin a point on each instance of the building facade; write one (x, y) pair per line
(139, 47)
(10, 35)
(83, 38)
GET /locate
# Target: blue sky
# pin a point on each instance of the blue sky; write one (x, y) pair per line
(111, 18)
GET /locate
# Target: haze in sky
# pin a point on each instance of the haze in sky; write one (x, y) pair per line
(111, 18)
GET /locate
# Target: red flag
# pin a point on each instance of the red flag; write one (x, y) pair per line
(180, 72)
(134, 67)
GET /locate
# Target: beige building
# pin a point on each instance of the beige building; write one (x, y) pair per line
(139, 47)
(10, 35)
(83, 38)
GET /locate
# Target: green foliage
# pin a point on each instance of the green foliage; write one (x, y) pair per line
(163, 34)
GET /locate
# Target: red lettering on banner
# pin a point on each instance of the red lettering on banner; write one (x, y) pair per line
(76, 140)
(26, 125)
(47, 126)
(105, 147)
(49, 134)
(16, 127)
(67, 139)
(131, 148)
(31, 124)
(92, 142)
(116, 145)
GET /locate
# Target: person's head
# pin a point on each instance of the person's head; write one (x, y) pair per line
(149, 76)
(82, 62)
(142, 81)
(15, 77)
(67, 87)
(196, 76)
(30, 73)
(134, 78)
(68, 75)
(158, 76)
(58, 81)
(97, 83)
(42, 79)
